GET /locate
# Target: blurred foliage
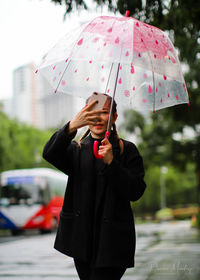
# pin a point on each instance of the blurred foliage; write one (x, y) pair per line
(164, 214)
(70, 5)
(180, 188)
(20, 145)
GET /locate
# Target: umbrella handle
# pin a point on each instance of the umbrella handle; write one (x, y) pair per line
(96, 147)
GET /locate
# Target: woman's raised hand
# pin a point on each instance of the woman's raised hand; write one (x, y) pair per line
(85, 117)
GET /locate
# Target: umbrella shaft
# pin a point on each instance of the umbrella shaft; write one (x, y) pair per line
(113, 97)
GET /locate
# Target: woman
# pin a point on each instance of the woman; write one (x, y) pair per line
(96, 224)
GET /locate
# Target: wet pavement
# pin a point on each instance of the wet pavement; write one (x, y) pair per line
(165, 251)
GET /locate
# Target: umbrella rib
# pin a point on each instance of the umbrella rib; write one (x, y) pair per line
(69, 60)
(154, 100)
(113, 97)
(108, 78)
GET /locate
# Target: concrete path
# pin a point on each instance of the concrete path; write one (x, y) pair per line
(165, 251)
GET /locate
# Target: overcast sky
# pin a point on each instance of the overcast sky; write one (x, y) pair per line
(28, 29)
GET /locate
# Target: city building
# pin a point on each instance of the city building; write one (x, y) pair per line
(34, 101)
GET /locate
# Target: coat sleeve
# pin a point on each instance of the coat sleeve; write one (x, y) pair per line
(127, 177)
(59, 149)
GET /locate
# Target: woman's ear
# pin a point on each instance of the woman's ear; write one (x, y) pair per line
(115, 117)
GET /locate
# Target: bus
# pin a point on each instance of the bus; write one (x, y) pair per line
(31, 199)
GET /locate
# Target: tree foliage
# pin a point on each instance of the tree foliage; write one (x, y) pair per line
(70, 5)
(20, 145)
(180, 188)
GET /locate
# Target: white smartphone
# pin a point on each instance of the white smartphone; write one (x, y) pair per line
(101, 98)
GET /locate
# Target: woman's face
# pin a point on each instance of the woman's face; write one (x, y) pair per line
(98, 130)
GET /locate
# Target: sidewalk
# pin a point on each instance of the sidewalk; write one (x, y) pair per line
(165, 251)
(173, 254)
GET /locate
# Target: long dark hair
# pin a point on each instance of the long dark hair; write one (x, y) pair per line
(114, 110)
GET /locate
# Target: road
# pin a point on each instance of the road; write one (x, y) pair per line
(165, 251)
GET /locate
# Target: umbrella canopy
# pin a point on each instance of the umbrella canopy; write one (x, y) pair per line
(117, 55)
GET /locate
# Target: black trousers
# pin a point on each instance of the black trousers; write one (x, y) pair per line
(86, 272)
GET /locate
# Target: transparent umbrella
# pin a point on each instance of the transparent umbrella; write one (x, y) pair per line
(132, 61)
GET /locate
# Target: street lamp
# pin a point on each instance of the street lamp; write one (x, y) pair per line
(163, 170)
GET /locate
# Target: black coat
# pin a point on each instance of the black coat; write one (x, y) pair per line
(105, 231)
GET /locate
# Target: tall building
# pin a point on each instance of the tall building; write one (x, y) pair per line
(56, 109)
(34, 101)
(24, 95)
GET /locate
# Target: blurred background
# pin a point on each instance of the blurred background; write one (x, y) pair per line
(169, 140)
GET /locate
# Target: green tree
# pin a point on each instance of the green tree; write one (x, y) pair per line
(20, 145)
(155, 142)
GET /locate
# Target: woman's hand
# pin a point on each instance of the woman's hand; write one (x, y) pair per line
(85, 117)
(106, 151)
